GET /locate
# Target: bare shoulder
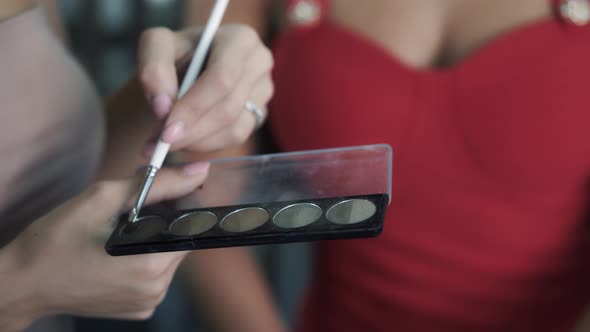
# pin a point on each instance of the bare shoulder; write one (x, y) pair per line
(10, 8)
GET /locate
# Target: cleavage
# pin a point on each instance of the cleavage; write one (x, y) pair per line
(434, 34)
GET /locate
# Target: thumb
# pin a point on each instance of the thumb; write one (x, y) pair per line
(107, 199)
(112, 197)
(171, 183)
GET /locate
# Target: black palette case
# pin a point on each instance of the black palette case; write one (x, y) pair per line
(303, 196)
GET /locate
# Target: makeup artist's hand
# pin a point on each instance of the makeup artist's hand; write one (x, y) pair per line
(212, 115)
(59, 264)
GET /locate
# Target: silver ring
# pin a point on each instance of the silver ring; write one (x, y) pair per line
(258, 114)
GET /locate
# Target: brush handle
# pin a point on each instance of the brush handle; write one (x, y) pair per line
(197, 62)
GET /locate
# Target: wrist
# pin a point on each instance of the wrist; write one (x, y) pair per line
(19, 305)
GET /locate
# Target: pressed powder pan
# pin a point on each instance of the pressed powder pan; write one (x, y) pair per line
(193, 223)
(147, 227)
(297, 215)
(351, 211)
(243, 220)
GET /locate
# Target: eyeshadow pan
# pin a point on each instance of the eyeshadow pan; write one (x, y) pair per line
(245, 219)
(351, 211)
(193, 223)
(297, 215)
(144, 228)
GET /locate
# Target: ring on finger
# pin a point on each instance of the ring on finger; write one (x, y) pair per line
(257, 111)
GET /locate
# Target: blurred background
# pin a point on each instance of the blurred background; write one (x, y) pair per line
(103, 35)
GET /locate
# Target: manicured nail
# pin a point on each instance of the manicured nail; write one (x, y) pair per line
(173, 132)
(196, 168)
(148, 150)
(162, 104)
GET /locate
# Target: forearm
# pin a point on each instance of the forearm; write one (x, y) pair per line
(232, 290)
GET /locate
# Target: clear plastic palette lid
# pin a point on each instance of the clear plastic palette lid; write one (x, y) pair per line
(305, 175)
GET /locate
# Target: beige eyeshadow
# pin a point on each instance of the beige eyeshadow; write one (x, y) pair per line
(297, 215)
(245, 219)
(351, 211)
(193, 223)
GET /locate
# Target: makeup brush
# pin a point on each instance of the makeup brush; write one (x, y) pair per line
(198, 59)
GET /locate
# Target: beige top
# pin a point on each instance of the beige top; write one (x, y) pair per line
(51, 124)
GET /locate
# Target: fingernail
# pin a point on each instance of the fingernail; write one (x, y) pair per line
(173, 132)
(148, 149)
(196, 168)
(161, 104)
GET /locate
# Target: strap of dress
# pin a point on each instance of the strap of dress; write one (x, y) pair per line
(306, 12)
(576, 12)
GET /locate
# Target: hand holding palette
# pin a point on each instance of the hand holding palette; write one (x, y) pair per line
(276, 198)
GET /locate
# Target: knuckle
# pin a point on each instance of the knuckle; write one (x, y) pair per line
(152, 299)
(147, 296)
(152, 72)
(152, 269)
(154, 34)
(162, 295)
(103, 192)
(143, 315)
(229, 111)
(158, 293)
(225, 116)
(246, 34)
(269, 90)
(239, 134)
(226, 79)
(267, 58)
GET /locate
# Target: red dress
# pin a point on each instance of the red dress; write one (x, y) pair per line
(488, 225)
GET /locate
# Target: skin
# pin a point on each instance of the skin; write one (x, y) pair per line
(48, 274)
(421, 35)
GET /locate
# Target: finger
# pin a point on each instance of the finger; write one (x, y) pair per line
(132, 315)
(242, 128)
(171, 269)
(175, 182)
(174, 261)
(159, 49)
(160, 264)
(228, 113)
(112, 196)
(225, 68)
(151, 142)
(234, 135)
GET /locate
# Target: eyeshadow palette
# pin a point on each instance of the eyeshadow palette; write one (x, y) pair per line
(277, 198)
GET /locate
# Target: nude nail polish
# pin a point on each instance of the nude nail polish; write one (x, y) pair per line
(173, 132)
(196, 168)
(161, 104)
